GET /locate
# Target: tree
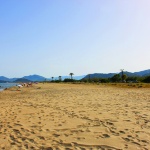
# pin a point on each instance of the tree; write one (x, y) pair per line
(68, 80)
(116, 78)
(89, 77)
(121, 74)
(71, 74)
(104, 80)
(147, 79)
(124, 77)
(52, 78)
(95, 79)
(132, 78)
(59, 78)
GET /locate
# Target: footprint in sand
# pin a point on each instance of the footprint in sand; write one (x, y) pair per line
(127, 139)
(105, 136)
(122, 132)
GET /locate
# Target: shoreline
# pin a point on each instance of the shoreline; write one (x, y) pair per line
(4, 86)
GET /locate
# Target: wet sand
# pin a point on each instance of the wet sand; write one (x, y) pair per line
(72, 116)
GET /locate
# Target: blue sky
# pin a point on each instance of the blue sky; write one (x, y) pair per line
(53, 38)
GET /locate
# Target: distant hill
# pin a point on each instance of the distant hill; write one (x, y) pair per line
(129, 74)
(13, 79)
(2, 78)
(23, 80)
(99, 75)
(109, 75)
(34, 78)
(143, 73)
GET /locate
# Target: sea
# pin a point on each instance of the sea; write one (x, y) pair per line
(6, 85)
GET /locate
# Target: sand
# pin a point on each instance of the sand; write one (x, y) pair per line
(75, 116)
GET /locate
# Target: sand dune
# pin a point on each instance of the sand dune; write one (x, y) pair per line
(70, 116)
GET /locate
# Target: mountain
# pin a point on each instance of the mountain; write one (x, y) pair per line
(34, 78)
(13, 79)
(143, 73)
(94, 75)
(109, 75)
(22, 80)
(129, 74)
(4, 78)
(99, 75)
(30, 78)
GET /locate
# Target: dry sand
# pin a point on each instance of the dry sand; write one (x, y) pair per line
(71, 116)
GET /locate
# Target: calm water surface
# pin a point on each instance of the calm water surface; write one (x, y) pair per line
(6, 85)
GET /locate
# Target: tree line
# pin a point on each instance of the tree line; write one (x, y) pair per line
(65, 80)
(117, 78)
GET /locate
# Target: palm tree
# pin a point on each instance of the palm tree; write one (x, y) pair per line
(59, 78)
(121, 74)
(89, 77)
(124, 77)
(71, 74)
(52, 78)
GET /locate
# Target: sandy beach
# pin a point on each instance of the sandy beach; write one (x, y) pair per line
(59, 116)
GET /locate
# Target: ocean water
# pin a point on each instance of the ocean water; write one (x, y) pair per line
(6, 85)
